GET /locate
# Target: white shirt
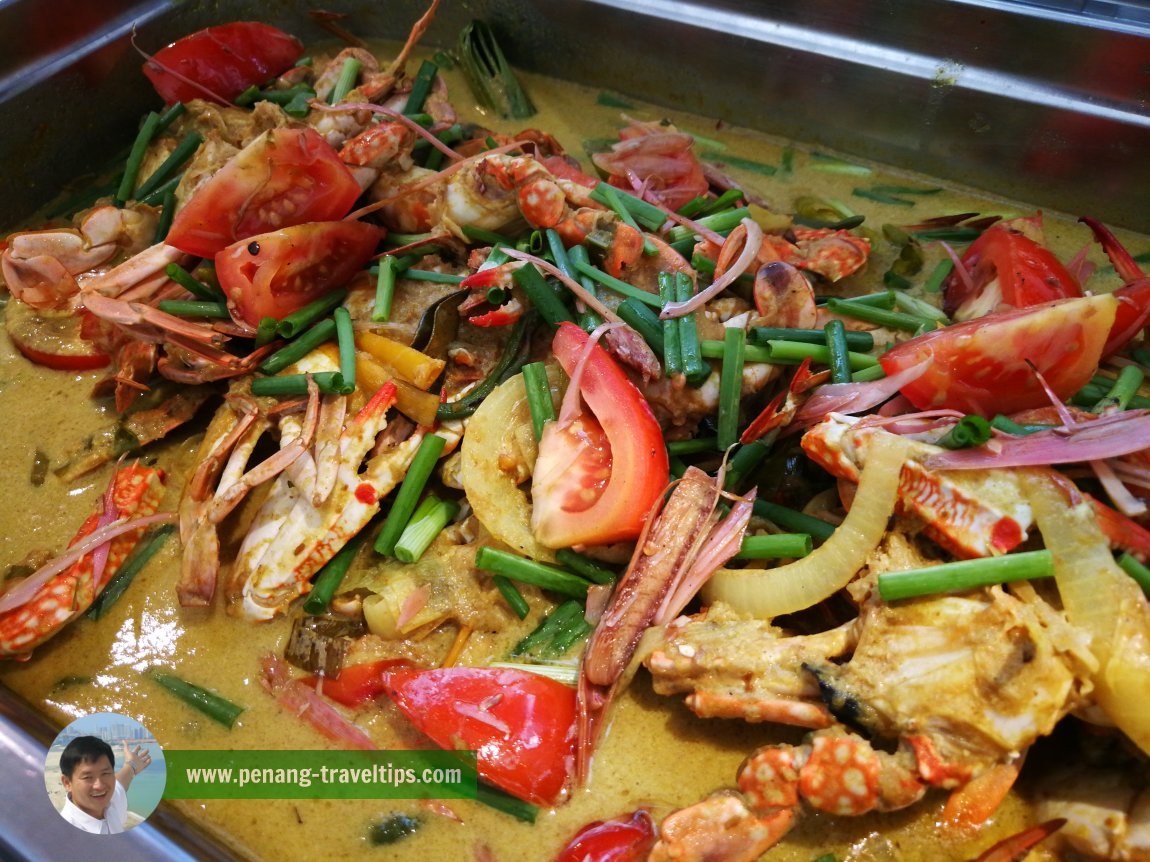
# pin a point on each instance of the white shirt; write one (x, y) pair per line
(115, 815)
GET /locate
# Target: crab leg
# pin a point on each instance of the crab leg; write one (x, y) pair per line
(975, 513)
(292, 538)
(136, 491)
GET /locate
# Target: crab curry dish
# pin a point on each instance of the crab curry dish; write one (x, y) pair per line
(728, 498)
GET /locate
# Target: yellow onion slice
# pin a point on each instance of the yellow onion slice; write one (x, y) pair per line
(768, 593)
(1099, 598)
(500, 426)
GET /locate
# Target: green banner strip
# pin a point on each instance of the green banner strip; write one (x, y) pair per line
(320, 774)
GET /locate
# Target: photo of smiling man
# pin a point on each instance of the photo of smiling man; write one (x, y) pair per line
(90, 788)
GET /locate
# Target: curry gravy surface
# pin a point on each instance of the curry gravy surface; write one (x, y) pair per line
(656, 754)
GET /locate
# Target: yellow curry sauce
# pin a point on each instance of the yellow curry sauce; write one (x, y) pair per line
(656, 754)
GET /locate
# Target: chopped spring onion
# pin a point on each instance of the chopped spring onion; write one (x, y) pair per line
(505, 803)
(329, 382)
(768, 593)
(864, 375)
(881, 299)
(491, 77)
(965, 575)
(208, 702)
(858, 341)
(1003, 423)
(298, 321)
(266, 331)
(545, 300)
(1125, 387)
(646, 214)
(132, 169)
(617, 285)
(906, 190)
(190, 308)
(346, 81)
(969, 431)
(920, 308)
(145, 549)
(745, 460)
(774, 545)
(345, 337)
(644, 321)
(559, 253)
(891, 319)
(533, 242)
(933, 283)
(585, 566)
(384, 290)
(731, 385)
(1136, 570)
(191, 284)
(173, 113)
(156, 197)
(479, 234)
(167, 213)
(947, 234)
(692, 446)
(512, 596)
(672, 350)
(553, 631)
(426, 457)
(745, 164)
(298, 349)
(169, 166)
(431, 276)
(428, 520)
(797, 351)
(1092, 393)
(881, 197)
(834, 165)
(720, 222)
(332, 575)
(568, 674)
(694, 368)
(539, 399)
(421, 87)
(838, 355)
(530, 572)
(588, 319)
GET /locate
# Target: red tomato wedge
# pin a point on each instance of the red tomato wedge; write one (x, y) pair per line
(1008, 266)
(520, 724)
(597, 477)
(221, 62)
(274, 274)
(356, 683)
(624, 839)
(52, 338)
(283, 178)
(984, 365)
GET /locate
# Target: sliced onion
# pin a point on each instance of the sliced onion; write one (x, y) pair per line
(1099, 598)
(768, 593)
(497, 501)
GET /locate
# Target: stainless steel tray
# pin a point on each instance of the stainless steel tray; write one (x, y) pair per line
(1044, 101)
